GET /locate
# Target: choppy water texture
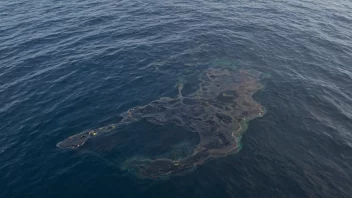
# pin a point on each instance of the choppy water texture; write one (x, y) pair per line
(67, 67)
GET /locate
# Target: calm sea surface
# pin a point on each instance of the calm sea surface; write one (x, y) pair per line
(71, 66)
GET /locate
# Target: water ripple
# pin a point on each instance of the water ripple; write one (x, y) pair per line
(66, 67)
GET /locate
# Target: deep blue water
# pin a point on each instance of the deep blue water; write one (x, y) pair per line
(70, 66)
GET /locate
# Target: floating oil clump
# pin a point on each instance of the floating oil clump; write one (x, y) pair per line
(218, 111)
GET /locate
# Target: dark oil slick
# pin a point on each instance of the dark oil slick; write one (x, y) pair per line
(218, 111)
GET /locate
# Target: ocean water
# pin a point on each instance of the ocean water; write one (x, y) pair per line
(70, 66)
